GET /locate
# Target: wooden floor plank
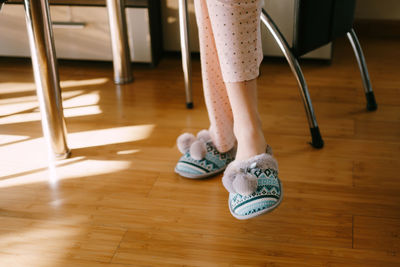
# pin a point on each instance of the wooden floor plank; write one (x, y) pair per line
(377, 233)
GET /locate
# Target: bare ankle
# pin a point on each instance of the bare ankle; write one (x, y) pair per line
(250, 144)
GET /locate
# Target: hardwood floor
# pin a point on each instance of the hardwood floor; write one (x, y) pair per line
(117, 202)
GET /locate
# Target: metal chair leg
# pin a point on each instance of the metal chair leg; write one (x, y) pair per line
(45, 71)
(317, 141)
(119, 41)
(371, 102)
(2, 3)
(185, 48)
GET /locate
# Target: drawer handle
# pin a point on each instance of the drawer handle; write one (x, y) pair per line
(68, 25)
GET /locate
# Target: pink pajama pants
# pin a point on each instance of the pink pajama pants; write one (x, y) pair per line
(230, 50)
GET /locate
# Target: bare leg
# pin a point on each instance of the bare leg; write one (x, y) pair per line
(247, 123)
(216, 97)
(230, 49)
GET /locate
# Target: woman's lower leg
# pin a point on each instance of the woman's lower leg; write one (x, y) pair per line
(247, 122)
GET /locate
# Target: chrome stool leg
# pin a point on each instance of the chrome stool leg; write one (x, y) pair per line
(371, 102)
(119, 41)
(317, 141)
(185, 49)
(45, 71)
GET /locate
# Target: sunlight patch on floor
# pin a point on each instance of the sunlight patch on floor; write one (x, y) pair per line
(79, 168)
(18, 87)
(12, 88)
(87, 99)
(75, 83)
(76, 103)
(110, 136)
(26, 104)
(28, 162)
(10, 138)
(35, 116)
(128, 152)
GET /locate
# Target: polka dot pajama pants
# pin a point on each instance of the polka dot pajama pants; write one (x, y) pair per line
(230, 50)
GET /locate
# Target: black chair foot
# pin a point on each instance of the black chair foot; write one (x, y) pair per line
(317, 141)
(371, 102)
(189, 105)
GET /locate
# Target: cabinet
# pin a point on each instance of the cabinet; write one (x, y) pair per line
(81, 31)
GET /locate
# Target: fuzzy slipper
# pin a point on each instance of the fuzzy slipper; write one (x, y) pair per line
(201, 158)
(253, 185)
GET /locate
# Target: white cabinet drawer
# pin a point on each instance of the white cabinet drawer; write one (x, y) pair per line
(89, 42)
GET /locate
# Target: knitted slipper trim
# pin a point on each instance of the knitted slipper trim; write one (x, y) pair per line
(253, 185)
(239, 179)
(206, 163)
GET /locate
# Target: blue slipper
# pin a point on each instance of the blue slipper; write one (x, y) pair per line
(253, 185)
(201, 158)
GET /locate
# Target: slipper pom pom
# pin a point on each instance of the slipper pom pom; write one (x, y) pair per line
(244, 184)
(184, 142)
(227, 181)
(198, 150)
(204, 136)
